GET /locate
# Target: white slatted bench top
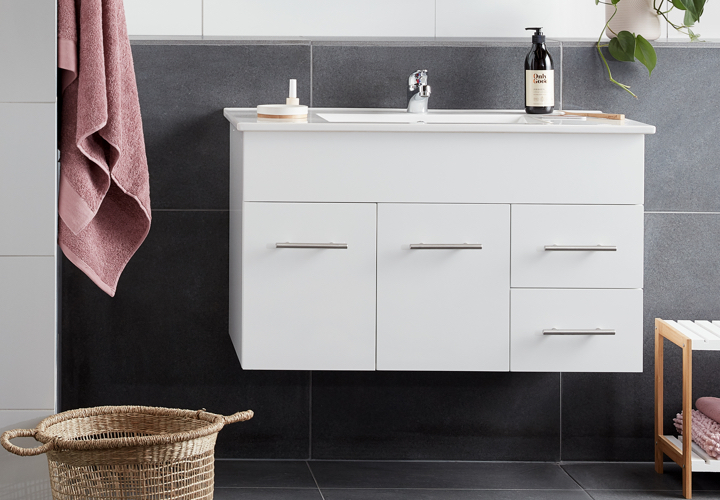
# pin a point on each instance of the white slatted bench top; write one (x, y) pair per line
(705, 335)
(701, 461)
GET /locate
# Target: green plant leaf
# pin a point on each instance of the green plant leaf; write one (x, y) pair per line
(689, 19)
(677, 4)
(645, 53)
(614, 2)
(622, 47)
(693, 10)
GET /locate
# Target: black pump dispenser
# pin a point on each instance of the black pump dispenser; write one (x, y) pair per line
(538, 37)
(539, 77)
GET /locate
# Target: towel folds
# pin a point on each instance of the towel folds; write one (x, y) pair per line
(104, 199)
(705, 432)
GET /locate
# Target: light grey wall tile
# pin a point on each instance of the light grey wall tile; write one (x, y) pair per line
(681, 98)
(28, 34)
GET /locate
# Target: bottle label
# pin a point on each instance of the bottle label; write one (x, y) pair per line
(539, 88)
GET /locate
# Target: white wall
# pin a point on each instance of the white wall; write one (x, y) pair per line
(378, 18)
(28, 218)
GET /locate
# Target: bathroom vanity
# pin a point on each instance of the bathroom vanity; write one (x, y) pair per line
(471, 241)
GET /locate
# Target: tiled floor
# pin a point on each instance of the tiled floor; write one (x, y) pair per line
(346, 480)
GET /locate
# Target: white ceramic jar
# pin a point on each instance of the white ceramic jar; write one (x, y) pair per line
(635, 16)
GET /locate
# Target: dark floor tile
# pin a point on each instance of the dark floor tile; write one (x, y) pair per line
(646, 495)
(266, 494)
(183, 90)
(610, 416)
(460, 77)
(440, 475)
(415, 494)
(263, 474)
(436, 416)
(625, 476)
(163, 341)
(681, 158)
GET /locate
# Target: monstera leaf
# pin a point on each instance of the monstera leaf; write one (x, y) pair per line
(628, 47)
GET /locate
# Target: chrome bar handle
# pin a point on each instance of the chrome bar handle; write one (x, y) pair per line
(596, 331)
(342, 246)
(459, 246)
(581, 248)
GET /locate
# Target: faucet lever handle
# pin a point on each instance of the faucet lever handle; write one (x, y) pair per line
(419, 78)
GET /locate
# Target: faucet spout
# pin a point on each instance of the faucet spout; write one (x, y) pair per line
(418, 92)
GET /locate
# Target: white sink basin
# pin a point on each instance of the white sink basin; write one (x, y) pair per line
(431, 117)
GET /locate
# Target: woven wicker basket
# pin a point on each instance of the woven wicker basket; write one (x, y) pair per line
(136, 452)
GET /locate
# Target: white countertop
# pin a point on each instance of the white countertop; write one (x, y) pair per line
(245, 120)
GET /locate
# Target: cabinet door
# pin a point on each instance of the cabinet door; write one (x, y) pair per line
(577, 246)
(443, 308)
(577, 330)
(308, 308)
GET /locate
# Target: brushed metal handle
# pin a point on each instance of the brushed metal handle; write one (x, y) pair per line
(581, 248)
(458, 246)
(596, 331)
(342, 246)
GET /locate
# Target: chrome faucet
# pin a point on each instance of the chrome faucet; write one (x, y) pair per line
(418, 92)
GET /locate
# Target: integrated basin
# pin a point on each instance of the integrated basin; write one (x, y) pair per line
(431, 117)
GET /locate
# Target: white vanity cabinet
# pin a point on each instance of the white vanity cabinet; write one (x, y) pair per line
(436, 247)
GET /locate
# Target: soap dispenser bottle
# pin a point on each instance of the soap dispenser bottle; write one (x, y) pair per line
(539, 77)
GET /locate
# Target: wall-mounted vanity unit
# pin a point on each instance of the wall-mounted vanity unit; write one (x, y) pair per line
(471, 241)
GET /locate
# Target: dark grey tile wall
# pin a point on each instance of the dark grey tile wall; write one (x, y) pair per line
(461, 77)
(163, 339)
(610, 416)
(438, 416)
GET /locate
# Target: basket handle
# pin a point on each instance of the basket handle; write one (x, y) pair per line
(23, 452)
(240, 416)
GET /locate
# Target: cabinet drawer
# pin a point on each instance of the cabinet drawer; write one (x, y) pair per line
(577, 246)
(308, 308)
(444, 307)
(576, 345)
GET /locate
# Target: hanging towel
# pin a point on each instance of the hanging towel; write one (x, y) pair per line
(104, 198)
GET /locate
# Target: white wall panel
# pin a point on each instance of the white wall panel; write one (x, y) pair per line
(27, 332)
(509, 18)
(319, 18)
(164, 17)
(28, 34)
(23, 478)
(708, 27)
(28, 164)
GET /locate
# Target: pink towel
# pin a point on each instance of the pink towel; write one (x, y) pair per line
(710, 407)
(705, 432)
(104, 200)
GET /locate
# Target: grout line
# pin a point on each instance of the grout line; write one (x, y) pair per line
(316, 483)
(561, 417)
(562, 76)
(311, 74)
(669, 212)
(310, 418)
(571, 477)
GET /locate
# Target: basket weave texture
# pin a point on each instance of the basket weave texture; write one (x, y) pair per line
(138, 452)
